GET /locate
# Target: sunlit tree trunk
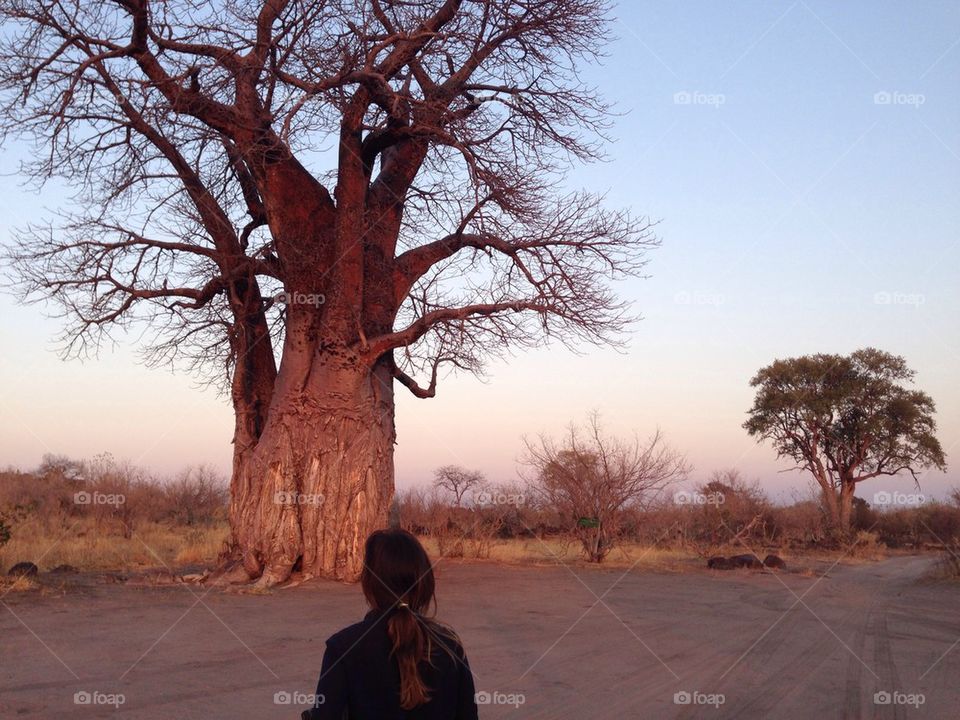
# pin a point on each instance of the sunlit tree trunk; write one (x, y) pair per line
(314, 475)
(319, 479)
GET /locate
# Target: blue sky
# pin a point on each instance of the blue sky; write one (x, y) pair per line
(804, 161)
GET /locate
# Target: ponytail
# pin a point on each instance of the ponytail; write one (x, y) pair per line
(397, 580)
(410, 646)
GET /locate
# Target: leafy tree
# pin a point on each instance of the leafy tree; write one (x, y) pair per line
(308, 201)
(846, 419)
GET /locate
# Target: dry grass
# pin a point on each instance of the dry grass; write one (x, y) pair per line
(18, 584)
(660, 559)
(553, 550)
(86, 546)
(949, 566)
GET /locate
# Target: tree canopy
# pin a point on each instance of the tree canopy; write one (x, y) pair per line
(846, 418)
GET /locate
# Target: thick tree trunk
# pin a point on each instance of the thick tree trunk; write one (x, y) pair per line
(320, 478)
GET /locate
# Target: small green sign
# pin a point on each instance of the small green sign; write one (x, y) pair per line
(587, 522)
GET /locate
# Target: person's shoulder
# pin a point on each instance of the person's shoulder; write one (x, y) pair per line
(447, 637)
(352, 634)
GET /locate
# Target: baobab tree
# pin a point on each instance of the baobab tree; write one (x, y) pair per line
(846, 419)
(309, 201)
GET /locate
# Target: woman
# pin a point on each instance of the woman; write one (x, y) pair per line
(396, 664)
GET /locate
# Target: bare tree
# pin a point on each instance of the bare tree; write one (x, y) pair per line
(457, 481)
(307, 201)
(592, 478)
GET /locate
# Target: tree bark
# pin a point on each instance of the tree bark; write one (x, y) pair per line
(847, 488)
(320, 478)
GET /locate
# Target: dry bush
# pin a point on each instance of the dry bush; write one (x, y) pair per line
(495, 512)
(801, 524)
(428, 512)
(950, 561)
(593, 479)
(198, 495)
(104, 514)
(931, 524)
(867, 546)
(725, 507)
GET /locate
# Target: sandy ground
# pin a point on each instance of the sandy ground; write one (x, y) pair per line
(544, 642)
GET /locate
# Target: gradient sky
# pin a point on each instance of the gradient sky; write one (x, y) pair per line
(799, 213)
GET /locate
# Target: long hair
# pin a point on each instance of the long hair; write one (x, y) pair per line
(397, 580)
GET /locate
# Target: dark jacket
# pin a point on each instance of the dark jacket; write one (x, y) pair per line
(359, 679)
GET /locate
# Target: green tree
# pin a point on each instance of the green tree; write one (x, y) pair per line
(846, 419)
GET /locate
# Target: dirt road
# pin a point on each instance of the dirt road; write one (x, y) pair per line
(545, 643)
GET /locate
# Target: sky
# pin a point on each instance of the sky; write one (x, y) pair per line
(803, 162)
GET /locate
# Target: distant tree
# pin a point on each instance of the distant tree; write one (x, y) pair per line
(591, 479)
(60, 467)
(457, 481)
(845, 419)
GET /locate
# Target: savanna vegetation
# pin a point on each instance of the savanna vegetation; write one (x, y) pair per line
(64, 513)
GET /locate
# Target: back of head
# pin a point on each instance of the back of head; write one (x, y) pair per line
(397, 579)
